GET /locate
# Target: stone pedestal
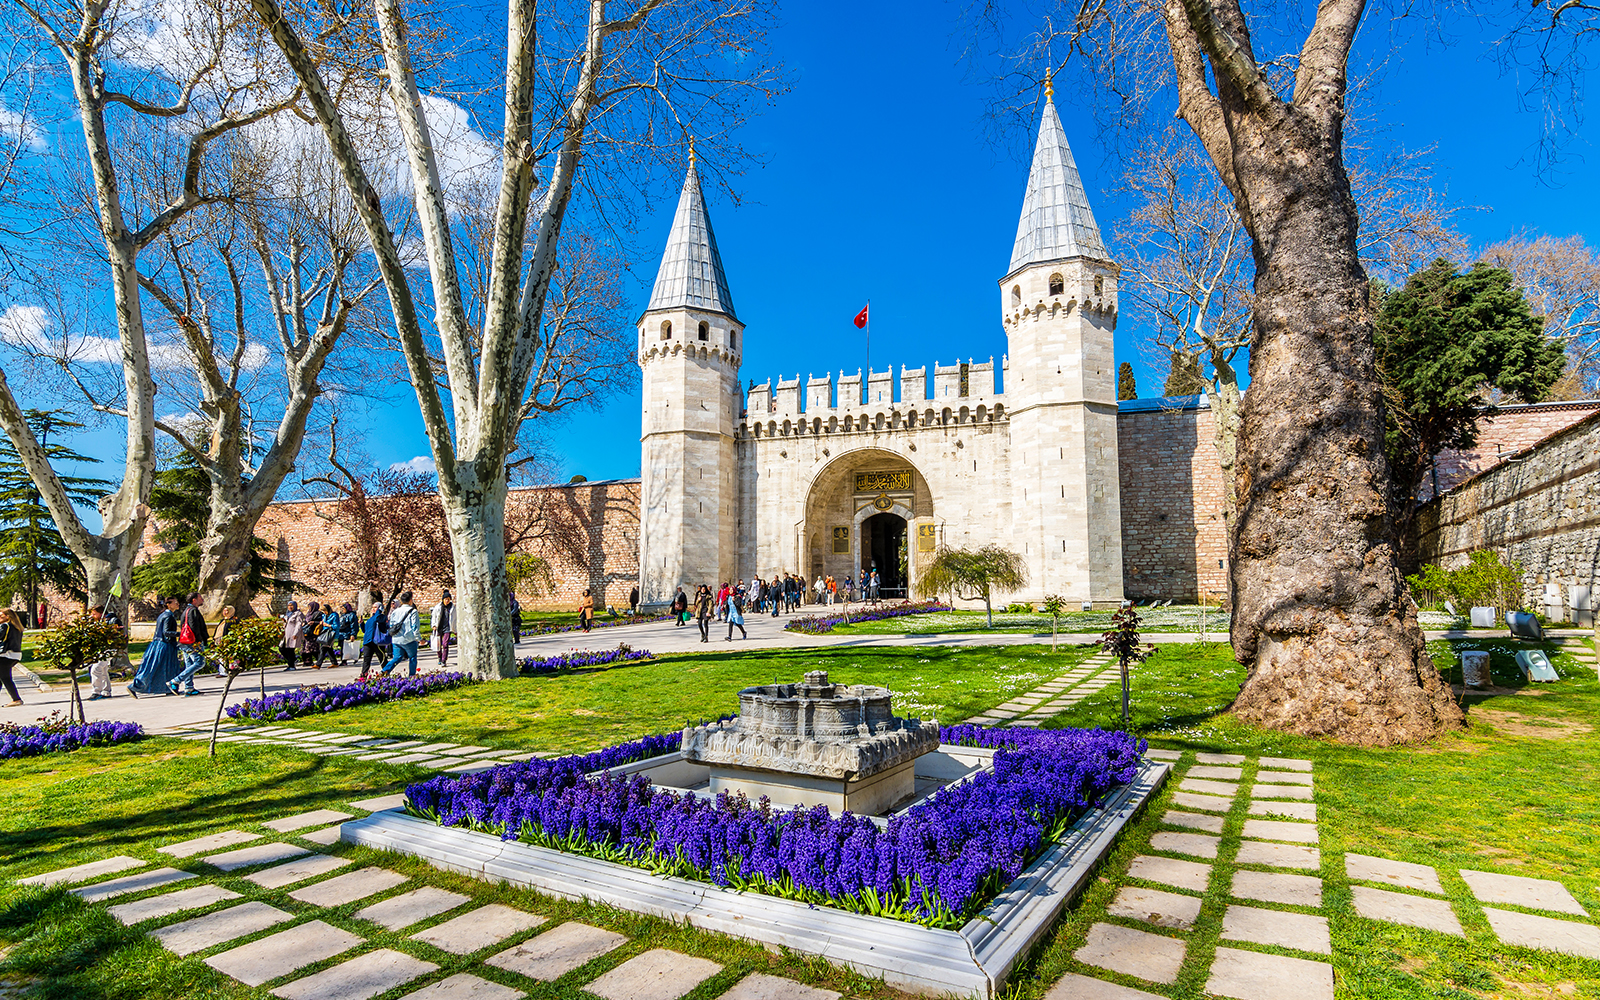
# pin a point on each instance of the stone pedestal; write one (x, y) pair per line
(873, 795)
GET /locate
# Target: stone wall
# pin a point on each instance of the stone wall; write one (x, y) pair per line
(1513, 429)
(1539, 506)
(1174, 539)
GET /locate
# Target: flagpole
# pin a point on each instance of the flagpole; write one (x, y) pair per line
(869, 341)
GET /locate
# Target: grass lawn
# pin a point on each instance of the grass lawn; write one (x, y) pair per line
(1513, 793)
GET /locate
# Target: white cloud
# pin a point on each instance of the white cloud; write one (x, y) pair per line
(16, 125)
(31, 329)
(422, 463)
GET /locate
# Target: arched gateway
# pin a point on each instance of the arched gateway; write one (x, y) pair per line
(866, 510)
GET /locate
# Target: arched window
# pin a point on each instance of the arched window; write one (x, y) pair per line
(705, 331)
(1016, 296)
(1058, 284)
(666, 329)
(733, 340)
(1099, 284)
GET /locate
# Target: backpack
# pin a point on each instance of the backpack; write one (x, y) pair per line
(186, 632)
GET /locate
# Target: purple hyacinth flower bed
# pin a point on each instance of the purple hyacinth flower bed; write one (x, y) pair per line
(936, 864)
(58, 736)
(549, 629)
(823, 624)
(315, 700)
(579, 658)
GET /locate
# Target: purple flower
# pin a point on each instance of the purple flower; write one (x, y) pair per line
(823, 624)
(30, 741)
(582, 658)
(311, 699)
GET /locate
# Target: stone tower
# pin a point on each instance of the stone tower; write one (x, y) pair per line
(689, 349)
(1058, 302)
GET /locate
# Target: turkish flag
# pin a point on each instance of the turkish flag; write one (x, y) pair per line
(861, 317)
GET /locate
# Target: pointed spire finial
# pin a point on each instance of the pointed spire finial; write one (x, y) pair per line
(691, 152)
(1050, 86)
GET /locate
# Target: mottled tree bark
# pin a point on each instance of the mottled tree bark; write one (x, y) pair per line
(1321, 616)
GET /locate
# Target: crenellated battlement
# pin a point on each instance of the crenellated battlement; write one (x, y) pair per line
(825, 395)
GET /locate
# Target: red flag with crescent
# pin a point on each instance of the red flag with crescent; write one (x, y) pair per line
(861, 317)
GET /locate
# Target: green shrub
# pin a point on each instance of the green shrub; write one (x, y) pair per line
(1485, 581)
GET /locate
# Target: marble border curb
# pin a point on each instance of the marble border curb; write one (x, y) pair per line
(973, 961)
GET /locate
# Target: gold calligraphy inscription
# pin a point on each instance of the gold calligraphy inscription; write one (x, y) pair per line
(877, 482)
(883, 502)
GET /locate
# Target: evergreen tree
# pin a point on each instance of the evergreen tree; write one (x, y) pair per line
(33, 555)
(1185, 379)
(180, 500)
(1126, 387)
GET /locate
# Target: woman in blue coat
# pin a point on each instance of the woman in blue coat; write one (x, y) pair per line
(160, 663)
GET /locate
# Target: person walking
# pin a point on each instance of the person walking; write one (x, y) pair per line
(735, 620)
(11, 653)
(516, 620)
(703, 600)
(329, 637)
(443, 619)
(375, 635)
(775, 595)
(820, 588)
(873, 584)
(633, 601)
(405, 631)
(294, 631)
(160, 661)
(191, 647)
(586, 609)
(680, 607)
(100, 670)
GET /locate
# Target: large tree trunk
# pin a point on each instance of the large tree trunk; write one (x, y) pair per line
(476, 516)
(225, 563)
(1321, 615)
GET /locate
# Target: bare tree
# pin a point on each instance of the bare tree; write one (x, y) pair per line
(599, 89)
(188, 71)
(1561, 279)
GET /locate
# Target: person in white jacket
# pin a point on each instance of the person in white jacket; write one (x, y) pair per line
(443, 618)
(405, 630)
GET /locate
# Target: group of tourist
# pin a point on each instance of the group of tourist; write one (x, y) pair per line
(780, 595)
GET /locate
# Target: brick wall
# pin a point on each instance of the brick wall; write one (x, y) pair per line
(1540, 506)
(1174, 539)
(1513, 429)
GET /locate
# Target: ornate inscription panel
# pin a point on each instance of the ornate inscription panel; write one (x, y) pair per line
(879, 482)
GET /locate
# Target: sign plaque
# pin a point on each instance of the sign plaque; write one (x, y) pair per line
(841, 538)
(878, 482)
(927, 534)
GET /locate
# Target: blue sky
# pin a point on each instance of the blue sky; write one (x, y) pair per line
(879, 180)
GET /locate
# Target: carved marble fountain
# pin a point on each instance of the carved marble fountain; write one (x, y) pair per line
(815, 743)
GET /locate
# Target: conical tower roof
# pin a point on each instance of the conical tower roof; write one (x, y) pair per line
(691, 268)
(1056, 221)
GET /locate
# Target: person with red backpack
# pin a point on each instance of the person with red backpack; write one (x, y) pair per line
(191, 646)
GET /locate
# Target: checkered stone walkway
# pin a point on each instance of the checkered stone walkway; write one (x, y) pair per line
(1052, 697)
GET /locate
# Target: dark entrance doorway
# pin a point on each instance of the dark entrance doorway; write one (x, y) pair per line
(883, 547)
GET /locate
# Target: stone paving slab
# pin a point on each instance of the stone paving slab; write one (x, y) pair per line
(1300, 792)
(260, 854)
(465, 986)
(1300, 931)
(84, 872)
(1195, 844)
(557, 951)
(1260, 852)
(1219, 773)
(280, 954)
(1402, 908)
(210, 842)
(1163, 755)
(297, 871)
(1534, 893)
(1251, 975)
(166, 905)
(316, 817)
(1293, 810)
(1406, 874)
(325, 836)
(1075, 987)
(1219, 758)
(1170, 871)
(1277, 887)
(349, 887)
(1162, 909)
(1196, 821)
(381, 802)
(473, 768)
(1132, 953)
(760, 986)
(1210, 803)
(1546, 933)
(1285, 764)
(1267, 829)
(358, 979)
(200, 933)
(1283, 778)
(403, 758)
(412, 907)
(657, 974)
(479, 929)
(151, 879)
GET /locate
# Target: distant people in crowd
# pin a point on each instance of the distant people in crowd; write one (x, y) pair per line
(849, 589)
(586, 610)
(723, 593)
(329, 639)
(735, 620)
(405, 632)
(703, 600)
(443, 620)
(516, 619)
(11, 652)
(375, 634)
(349, 627)
(294, 632)
(100, 670)
(680, 607)
(873, 583)
(191, 646)
(820, 588)
(633, 601)
(160, 661)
